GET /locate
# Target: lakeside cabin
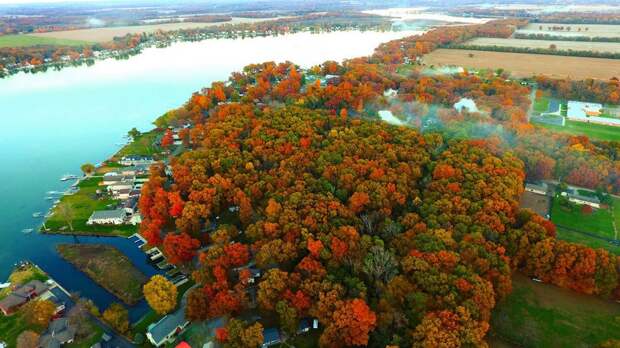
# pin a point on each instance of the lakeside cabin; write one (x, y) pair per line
(107, 217)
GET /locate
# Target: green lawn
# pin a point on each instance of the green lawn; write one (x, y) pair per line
(142, 145)
(543, 315)
(593, 131)
(84, 203)
(541, 104)
(599, 222)
(12, 326)
(22, 40)
(108, 267)
(95, 336)
(579, 238)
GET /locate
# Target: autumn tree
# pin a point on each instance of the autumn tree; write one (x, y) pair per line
(28, 339)
(88, 169)
(39, 312)
(241, 335)
(117, 316)
(161, 294)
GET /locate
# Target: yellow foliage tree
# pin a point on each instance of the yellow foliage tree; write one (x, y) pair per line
(161, 294)
(39, 312)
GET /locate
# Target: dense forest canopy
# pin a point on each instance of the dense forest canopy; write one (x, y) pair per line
(387, 235)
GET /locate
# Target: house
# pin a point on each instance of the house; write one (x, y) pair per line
(466, 103)
(271, 336)
(122, 194)
(131, 205)
(107, 217)
(114, 178)
(540, 188)
(390, 93)
(59, 332)
(136, 160)
(582, 110)
(165, 330)
(577, 198)
(21, 295)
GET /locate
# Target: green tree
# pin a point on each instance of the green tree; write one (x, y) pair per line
(133, 133)
(241, 335)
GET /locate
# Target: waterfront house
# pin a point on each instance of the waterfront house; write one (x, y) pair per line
(540, 188)
(168, 328)
(59, 332)
(21, 295)
(135, 219)
(107, 217)
(114, 178)
(131, 205)
(136, 160)
(271, 337)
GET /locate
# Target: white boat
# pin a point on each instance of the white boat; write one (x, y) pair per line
(37, 214)
(27, 230)
(49, 198)
(68, 177)
(4, 285)
(51, 193)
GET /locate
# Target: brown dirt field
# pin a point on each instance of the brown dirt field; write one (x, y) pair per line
(603, 30)
(538, 203)
(527, 65)
(107, 34)
(612, 47)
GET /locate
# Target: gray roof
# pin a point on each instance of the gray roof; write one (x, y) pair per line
(108, 214)
(167, 324)
(537, 186)
(58, 332)
(23, 293)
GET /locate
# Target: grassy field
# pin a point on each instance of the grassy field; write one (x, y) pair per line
(593, 131)
(21, 40)
(84, 203)
(541, 104)
(579, 238)
(599, 222)
(108, 267)
(612, 47)
(593, 30)
(527, 65)
(142, 145)
(12, 326)
(542, 315)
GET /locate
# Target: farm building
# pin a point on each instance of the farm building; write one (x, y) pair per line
(107, 217)
(578, 109)
(575, 197)
(540, 188)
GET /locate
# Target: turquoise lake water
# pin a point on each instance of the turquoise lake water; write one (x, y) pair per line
(57, 120)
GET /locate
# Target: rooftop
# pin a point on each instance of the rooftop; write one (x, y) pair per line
(108, 214)
(166, 325)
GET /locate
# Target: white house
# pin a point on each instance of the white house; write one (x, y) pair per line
(167, 329)
(107, 217)
(575, 197)
(136, 160)
(467, 104)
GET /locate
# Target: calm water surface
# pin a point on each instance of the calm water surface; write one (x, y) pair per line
(55, 121)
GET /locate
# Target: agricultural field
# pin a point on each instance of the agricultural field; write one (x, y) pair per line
(599, 222)
(611, 47)
(590, 30)
(108, 267)
(107, 34)
(21, 40)
(543, 315)
(592, 130)
(526, 65)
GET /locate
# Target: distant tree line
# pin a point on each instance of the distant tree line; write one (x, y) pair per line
(533, 36)
(551, 50)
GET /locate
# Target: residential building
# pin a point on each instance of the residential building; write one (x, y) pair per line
(577, 109)
(574, 196)
(107, 217)
(466, 104)
(167, 329)
(59, 332)
(21, 295)
(136, 160)
(131, 205)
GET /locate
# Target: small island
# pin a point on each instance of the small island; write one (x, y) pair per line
(108, 267)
